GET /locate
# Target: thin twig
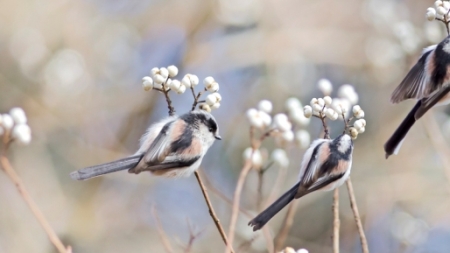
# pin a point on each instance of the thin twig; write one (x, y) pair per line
(161, 233)
(54, 239)
(276, 186)
(196, 98)
(269, 240)
(246, 244)
(259, 188)
(237, 198)
(169, 102)
(354, 207)
(336, 221)
(213, 214)
(192, 237)
(446, 23)
(286, 227)
(325, 127)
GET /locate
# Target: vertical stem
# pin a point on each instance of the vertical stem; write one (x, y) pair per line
(336, 221)
(213, 214)
(354, 207)
(162, 234)
(54, 239)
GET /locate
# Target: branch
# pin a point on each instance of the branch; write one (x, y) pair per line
(196, 98)
(213, 214)
(161, 232)
(192, 237)
(169, 102)
(354, 207)
(336, 221)
(54, 239)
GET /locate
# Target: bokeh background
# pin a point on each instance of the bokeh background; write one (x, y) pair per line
(75, 67)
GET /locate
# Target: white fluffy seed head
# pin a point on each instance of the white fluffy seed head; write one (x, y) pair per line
(356, 109)
(164, 72)
(158, 79)
(289, 250)
(341, 106)
(363, 122)
(313, 101)
(211, 99)
(359, 114)
(325, 86)
(213, 87)
(298, 117)
(437, 3)
(307, 111)
(258, 119)
(18, 115)
(256, 159)
(181, 89)
(173, 71)
(328, 100)
(208, 80)
(215, 106)
(353, 132)
(204, 107)
(431, 14)
(321, 102)
(281, 122)
(288, 136)
(361, 130)
(265, 106)
(7, 122)
(317, 108)
(302, 138)
(174, 85)
(218, 96)
(292, 104)
(194, 80)
(331, 114)
(446, 5)
(302, 251)
(154, 71)
(441, 10)
(22, 133)
(357, 124)
(186, 81)
(280, 157)
(348, 92)
(147, 83)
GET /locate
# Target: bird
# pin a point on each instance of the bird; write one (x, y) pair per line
(172, 147)
(325, 166)
(428, 81)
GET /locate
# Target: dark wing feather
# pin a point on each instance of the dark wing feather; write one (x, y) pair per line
(430, 101)
(415, 84)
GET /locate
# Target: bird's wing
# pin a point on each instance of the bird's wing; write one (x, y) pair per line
(159, 148)
(173, 164)
(324, 181)
(310, 166)
(415, 84)
(430, 101)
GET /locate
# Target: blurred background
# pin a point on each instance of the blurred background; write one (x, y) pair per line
(75, 67)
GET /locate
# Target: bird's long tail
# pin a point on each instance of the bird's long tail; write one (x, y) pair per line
(260, 220)
(392, 146)
(97, 170)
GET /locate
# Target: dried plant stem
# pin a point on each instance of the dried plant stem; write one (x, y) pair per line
(446, 23)
(213, 214)
(169, 102)
(286, 227)
(161, 233)
(336, 221)
(32, 205)
(236, 199)
(196, 98)
(354, 207)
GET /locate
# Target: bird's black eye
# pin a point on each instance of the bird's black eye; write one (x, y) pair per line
(211, 129)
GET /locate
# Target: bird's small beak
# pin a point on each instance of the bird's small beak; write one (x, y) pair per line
(217, 137)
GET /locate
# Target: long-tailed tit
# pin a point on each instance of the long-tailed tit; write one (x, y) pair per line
(429, 82)
(325, 166)
(173, 147)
